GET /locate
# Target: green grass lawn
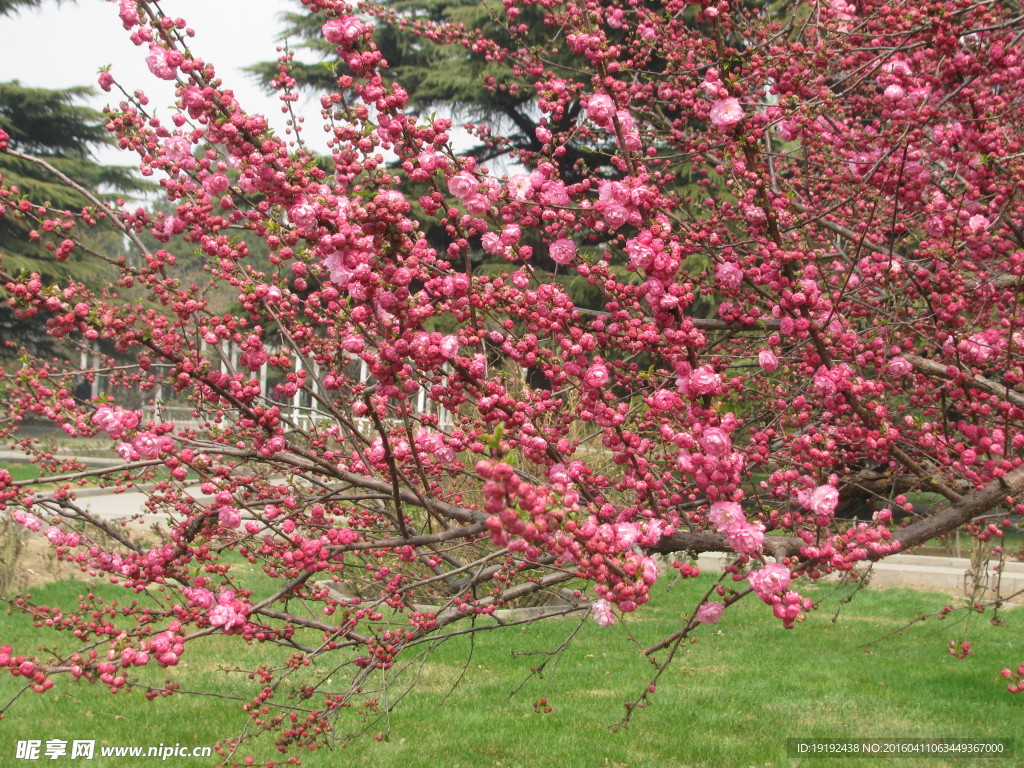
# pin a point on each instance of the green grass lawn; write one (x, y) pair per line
(731, 699)
(21, 470)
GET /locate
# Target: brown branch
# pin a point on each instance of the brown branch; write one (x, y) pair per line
(977, 381)
(686, 541)
(703, 323)
(995, 493)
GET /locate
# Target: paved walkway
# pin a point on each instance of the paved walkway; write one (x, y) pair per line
(941, 574)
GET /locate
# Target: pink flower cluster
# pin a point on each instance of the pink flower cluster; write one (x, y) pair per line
(145, 445)
(770, 584)
(116, 421)
(167, 647)
(822, 501)
(229, 613)
(344, 30)
(726, 110)
(27, 519)
(163, 63)
(744, 537)
(434, 446)
(602, 612)
(601, 108)
(476, 194)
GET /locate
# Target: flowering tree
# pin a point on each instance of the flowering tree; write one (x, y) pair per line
(840, 182)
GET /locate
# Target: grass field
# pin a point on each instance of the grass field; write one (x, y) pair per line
(20, 470)
(731, 699)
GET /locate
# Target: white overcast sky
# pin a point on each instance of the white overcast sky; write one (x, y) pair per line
(67, 44)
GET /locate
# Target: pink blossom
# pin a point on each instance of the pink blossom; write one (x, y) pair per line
(648, 569)
(554, 193)
(683, 372)
(685, 463)
(148, 445)
(977, 223)
(115, 421)
(824, 499)
(725, 113)
(654, 531)
(899, 366)
(253, 359)
(596, 376)
(664, 400)
(716, 442)
(462, 185)
(562, 251)
(704, 381)
(746, 539)
(729, 275)
(229, 517)
(601, 610)
(273, 446)
(825, 381)
(339, 273)
(727, 516)
(476, 204)
(222, 616)
(767, 360)
(980, 347)
(626, 535)
(449, 347)
(54, 535)
(935, 226)
(162, 62)
(229, 613)
(614, 214)
(519, 186)
(216, 183)
(787, 130)
(346, 29)
(433, 444)
(27, 519)
(129, 13)
(303, 215)
(201, 598)
(511, 234)
(177, 148)
(491, 243)
(710, 613)
(600, 109)
(754, 213)
(771, 580)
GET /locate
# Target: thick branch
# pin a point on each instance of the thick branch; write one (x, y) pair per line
(686, 541)
(992, 495)
(977, 381)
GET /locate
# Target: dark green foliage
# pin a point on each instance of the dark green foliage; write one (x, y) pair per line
(436, 76)
(50, 126)
(8, 7)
